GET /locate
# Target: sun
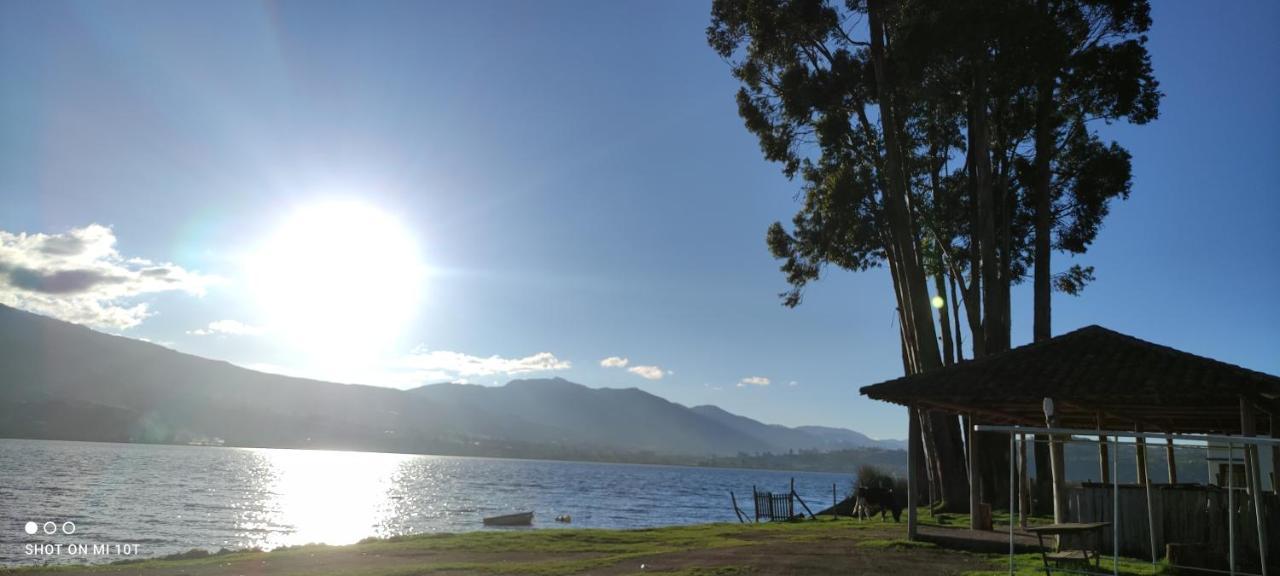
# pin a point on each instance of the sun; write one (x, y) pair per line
(339, 279)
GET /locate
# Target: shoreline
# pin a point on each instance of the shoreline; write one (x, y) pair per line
(621, 462)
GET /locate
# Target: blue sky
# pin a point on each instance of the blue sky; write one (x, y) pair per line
(564, 183)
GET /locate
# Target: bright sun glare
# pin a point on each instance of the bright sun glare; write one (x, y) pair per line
(338, 279)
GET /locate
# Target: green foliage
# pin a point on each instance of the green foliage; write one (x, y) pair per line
(809, 96)
(872, 477)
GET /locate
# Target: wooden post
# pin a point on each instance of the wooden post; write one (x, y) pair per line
(1275, 456)
(1146, 485)
(975, 486)
(913, 457)
(1171, 457)
(1059, 465)
(1248, 427)
(1104, 463)
(835, 514)
(1024, 482)
(1140, 445)
(755, 503)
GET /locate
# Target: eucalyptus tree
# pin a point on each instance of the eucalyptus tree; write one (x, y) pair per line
(823, 95)
(945, 139)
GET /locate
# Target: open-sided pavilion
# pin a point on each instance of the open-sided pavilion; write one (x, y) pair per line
(1097, 379)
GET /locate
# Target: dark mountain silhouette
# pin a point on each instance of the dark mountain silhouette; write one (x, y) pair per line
(64, 381)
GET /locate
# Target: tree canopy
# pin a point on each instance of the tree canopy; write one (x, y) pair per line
(947, 139)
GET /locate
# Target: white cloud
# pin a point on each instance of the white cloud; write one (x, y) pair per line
(793, 383)
(647, 372)
(78, 276)
(228, 328)
(753, 381)
(614, 362)
(447, 365)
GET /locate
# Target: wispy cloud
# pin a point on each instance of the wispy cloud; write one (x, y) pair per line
(453, 366)
(78, 276)
(753, 381)
(614, 362)
(227, 328)
(647, 372)
(793, 383)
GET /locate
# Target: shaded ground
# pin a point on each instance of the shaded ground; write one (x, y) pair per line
(815, 547)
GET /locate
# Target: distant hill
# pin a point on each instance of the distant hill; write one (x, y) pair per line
(840, 438)
(63, 381)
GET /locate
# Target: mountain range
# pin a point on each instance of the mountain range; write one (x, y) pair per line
(64, 381)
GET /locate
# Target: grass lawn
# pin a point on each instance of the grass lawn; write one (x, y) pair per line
(823, 546)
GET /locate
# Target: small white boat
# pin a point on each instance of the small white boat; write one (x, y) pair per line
(520, 519)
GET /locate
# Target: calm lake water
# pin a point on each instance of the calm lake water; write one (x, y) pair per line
(145, 500)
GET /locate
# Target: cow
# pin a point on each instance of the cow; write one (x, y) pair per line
(882, 499)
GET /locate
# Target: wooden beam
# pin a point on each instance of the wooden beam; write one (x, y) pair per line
(1173, 462)
(1098, 413)
(987, 412)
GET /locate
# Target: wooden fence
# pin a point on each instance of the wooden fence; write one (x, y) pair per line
(770, 506)
(1194, 515)
(774, 506)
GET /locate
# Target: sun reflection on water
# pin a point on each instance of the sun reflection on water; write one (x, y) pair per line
(316, 496)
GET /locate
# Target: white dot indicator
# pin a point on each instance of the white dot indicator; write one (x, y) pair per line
(68, 527)
(32, 527)
(51, 527)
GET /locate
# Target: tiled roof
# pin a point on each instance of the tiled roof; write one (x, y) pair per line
(1093, 374)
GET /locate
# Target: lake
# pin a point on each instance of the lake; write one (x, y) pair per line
(140, 500)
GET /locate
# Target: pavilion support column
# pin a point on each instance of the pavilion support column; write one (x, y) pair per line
(1248, 427)
(1140, 444)
(1104, 463)
(1173, 463)
(914, 458)
(1058, 464)
(975, 482)
(1024, 483)
(1275, 457)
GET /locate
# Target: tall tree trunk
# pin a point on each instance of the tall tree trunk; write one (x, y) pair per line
(993, 448)
(1042, 329)
(986, 223)
(915, 306)
(955, 313)
(944, 320)
(973, 295)
(1043, 290)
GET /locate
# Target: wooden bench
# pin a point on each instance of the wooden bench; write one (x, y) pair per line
(1087, 545)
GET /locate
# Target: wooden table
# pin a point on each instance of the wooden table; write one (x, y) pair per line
(1088, 542)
